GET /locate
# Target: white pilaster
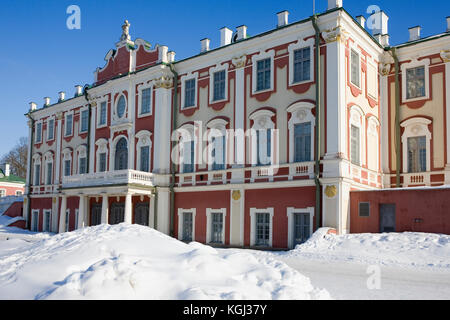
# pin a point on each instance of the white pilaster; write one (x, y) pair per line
(92, 139)
(81, 212)
(163, 211)
(128, 208)
(58, 147)
(162, 133)
(26, 202)
(62, 214)
(239, 125)
(105, 210)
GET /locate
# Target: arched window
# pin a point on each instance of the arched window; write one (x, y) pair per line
(217, 142)
(121, 157)
(262, 134)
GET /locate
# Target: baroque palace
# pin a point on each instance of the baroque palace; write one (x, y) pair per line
(255, 143)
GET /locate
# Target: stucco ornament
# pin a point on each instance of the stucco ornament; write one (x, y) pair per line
(236, 195)
(445, 55)
(301, 114)
(239, 62)
(336, 34)
(165, 82)
(331, 191)
(125, 31)
(386, 64)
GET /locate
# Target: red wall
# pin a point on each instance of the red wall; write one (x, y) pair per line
(11, 191)
(40, 204)
(15, 210)
(431, 206)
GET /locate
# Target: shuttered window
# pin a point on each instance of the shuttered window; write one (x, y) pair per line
(364, 209)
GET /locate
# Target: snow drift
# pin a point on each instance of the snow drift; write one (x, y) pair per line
(408, 249)
(135, 262)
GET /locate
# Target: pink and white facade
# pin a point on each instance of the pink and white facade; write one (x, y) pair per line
(251, 115)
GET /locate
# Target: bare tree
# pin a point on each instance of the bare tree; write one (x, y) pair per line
(17, 158)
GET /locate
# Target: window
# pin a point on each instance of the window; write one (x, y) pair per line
(364, 209)
(37, 174)
(145, 159)
(51, 129)
(121, 106)
(263, 74)
(67, 220)
(102, 114)
(417, 154)
(102, 162)
(302, 142)
(19, 193)
(187, 226)
(188, 156)
(219, 85)
(189, 93)
(47, 220)
(217, 227)
(49, 173)
(355, 69)
(302, 64)
(415, 83)
(69, 125)
(300, 225)
(146, 101)
(82, 168)
(263, 146)
(84, 121)
(2, 193)
(67, 167)
(262, 229)
(218, 153)
(355, 146)
(77, 213)
(35, 220)
(38, 138)
(121, 156)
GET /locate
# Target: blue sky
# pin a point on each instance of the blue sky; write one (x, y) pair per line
(39, 56)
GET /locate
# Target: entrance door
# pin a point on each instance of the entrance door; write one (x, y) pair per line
(387, 218)
(96, 214)
(302, 227)
(117, 213)
(141, 212)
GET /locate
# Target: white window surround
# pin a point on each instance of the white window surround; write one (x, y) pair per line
(65, 123)
(185, 134)
(81, 120)
(99, 110)
(356, 49)
(144, 140)
(300, 113)
(2, 193)
(102, 147)
(48, 128)
(34, 214)
(48, 158)
(213, 70)
(262, 120)
(112, 154)
(372, 130)
(81, 152)
(183, 80)
(180, 222)
(67, 155)
(356, 119)
(40, 122)
(46, 211)
(217, 128)
(19, 193)
(142, 88)
(262, 56)
(209, 212)
(296, 46)
(253, 212)
(115, 116)
(416, 127)
(290, 214)
(415, 64)
(372, 64)
(37, 160)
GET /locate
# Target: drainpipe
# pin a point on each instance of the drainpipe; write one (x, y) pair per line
(173, 168)
(29, 168)
(86, 96)
(397, 118)
(318, 128)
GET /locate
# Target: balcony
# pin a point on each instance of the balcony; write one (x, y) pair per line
(120, 177)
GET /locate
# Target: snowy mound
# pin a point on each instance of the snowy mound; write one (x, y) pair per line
(407, 249)
(135, 262)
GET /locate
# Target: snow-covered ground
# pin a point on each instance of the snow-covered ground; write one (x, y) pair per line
(135, 262)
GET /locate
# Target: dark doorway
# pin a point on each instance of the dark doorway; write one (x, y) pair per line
(117, 213)
(141, 212)
(387, 218)
(96, 214)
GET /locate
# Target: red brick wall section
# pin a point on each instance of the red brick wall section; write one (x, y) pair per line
(418, 210)
(15, 210)
(11, 191)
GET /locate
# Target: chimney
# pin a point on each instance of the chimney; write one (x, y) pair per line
(205, 45)
(46, 101)
(283, 18)
(332, 4)
(6, 169)
(361, 21)
(171, 56)
(78, 90)
(378, 37)
(225, 36)
(33, 106)
(62, 96)
(241, 32)
(448, 24)
(162, 53)
(385, 40)
(378, 22)
(414, 33)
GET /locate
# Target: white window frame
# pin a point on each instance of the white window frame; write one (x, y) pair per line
(372, 130)
(144, 140)
(411, 65)
(66, 115)
(300, 113)
(80, 123)
(34, 213)
(37, 160)
(19, 193)
(185, 78)
(301, 44)
(290, 215)
(49, 212)
(40, 123)
(184, 133)
(81, 153)
(142, 88)
(99, 113)
(181, 211)
(209, 212)
(67, 155)
(214, 126)
(375, 68)
(416, 127)
(212, 71)
(357, 119)
(262, 56)
(102, 147)
(262, 120)
(112, 154)
(350, 60)
(48, 128)
(48, 158)
(116, 104)
(253, 212)
(2, 193)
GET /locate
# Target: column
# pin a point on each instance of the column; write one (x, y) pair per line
(62, 215)
(163, 211)
(105, 210)
(59, 117)
(128, 208)
(93, 112)
(81, 212)
(151, 213)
